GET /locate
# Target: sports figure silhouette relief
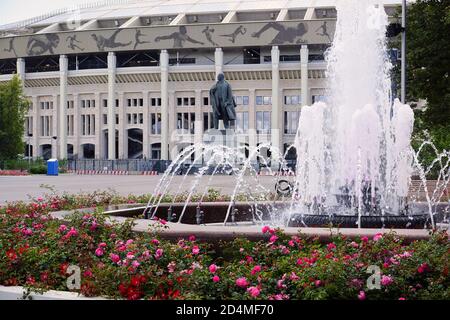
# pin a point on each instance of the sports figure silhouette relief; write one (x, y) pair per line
(208, 34)
(324, 33)
(110, 42)
(73, 43)
(232, 36)
(38, 45)
(137, 39)
(11, 47)
(285, 34)
(179, 38)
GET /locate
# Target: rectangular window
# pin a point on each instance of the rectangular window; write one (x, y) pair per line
(155, 123)
(192, 101)
(245, 100)
(129, 118)
(128, 102)
(291, 119)
(205, 101)
(141, 118)
(267, 100)
(117, 103)
(105, 119)
(135, 102)
(263, 122)
(185, 101)
(105, 103)
(179, 102)
(259, 100)
(141, 102)
(117, 119)
(242, 122)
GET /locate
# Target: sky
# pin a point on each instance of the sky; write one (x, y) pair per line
(17, 10)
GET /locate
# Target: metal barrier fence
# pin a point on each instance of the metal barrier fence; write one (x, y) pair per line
(130, 165)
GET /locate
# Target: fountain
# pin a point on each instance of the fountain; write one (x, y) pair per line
(355, 159)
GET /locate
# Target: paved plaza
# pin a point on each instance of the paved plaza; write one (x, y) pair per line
(20, 188)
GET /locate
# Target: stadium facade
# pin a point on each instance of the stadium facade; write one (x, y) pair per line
(143, 70)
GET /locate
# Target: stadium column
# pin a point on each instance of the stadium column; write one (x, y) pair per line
(54, 127)
(123, 120)
(111, 106)
(98, 126)
(36, 127)
(252, 136)
(198, 127)
(76, 125)
(63, 69)
(21, 70)
(146, 126)
(304, 52)
(164, 64)
(218, 61)
(275, 119)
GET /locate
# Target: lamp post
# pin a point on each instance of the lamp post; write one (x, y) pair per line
(403, 61)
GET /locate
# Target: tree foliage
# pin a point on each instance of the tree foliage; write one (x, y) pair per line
(428, 59)
(13, 106)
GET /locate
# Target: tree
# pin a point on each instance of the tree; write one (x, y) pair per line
(428, 59)
(13, 106)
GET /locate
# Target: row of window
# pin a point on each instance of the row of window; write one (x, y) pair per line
(188, 101)
(185, 122)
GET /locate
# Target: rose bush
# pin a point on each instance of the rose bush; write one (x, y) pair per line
(36, 251)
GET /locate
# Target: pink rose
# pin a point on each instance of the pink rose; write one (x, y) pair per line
(318, 283)
(158, 254)
(216, 278)
(377, 237)
(364, 239)
(256, 269)
(135, 263)
(273, 239)
(62, 228)
(155, 241)
(253, 291)
(362, 295)
(386, 280)
(331, 246)
(265, 229)
(191, 238)
(102, 245)
(212, 268)
(195, 250)
(99, 252)
(401, 298)
(242, 282)
(114, 257)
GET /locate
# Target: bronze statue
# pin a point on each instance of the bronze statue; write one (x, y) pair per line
(222, 102)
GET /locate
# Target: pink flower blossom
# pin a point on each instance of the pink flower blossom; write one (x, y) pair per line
(191, 238)
(401, 298)
(291, 243)
(253, 291)
(242, 282)
(331, 246)
(317, 283)
(377, 237)
(265, 229)
(87, 273)
(212, 268)
(62, 228)
(130, 255)
(256, 269)
(102, 245)
(386, 280)
(353, 244)
(195, 250)
(273, 239)
(155, 241)
(293, 277)
(158, 254)
(135, 263)
(114, 257)
(364, 239)
(216, 278)
(171, 266)
(99, 252)
(27, 232)
(362, 295)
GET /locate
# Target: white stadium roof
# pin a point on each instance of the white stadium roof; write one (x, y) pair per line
(112, 9)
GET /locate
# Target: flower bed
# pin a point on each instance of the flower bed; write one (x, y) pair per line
(36, 252)
(14, 173)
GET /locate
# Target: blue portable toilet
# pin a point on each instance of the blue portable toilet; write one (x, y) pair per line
(52, 167)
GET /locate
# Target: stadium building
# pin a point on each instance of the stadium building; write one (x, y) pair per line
(143, 70)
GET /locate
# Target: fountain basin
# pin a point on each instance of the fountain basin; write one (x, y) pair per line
(215, 213)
